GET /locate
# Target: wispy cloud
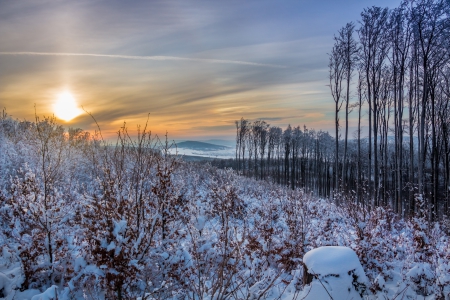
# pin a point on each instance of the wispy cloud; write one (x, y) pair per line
(158, 58)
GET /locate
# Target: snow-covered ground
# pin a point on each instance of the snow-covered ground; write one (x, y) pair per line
(102, 222)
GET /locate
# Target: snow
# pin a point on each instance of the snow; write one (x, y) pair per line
(25, 295)
(5, 283)
(49, 294)
(254, 232)
(119, 227)
(334, 260)
(338, 273)
(199, 222)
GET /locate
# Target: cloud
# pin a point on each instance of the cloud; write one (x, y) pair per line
(214, 127)
(157, 58)
(277, 118)
(266, 69)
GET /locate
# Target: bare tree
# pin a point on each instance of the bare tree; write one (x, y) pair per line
(336, 76)
(374, 48)
(348, 50)
(431, 25)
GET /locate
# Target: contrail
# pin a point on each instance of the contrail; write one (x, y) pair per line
(160, 58)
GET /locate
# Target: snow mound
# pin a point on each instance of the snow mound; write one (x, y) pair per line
(332, 260)
(336, 272)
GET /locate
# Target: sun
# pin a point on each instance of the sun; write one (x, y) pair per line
(66, 107)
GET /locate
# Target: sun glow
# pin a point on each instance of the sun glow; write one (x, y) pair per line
(65, 107)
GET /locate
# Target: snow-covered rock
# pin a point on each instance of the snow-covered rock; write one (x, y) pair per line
(334, 271)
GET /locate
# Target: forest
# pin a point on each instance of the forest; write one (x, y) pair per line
(390, 74)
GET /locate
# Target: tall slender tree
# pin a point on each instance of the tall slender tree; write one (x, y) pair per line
(374, 49)
(348, 49)
(336, 76)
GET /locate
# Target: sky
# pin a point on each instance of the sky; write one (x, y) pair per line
(194, 66)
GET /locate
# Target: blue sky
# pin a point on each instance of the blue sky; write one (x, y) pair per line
(211, 62)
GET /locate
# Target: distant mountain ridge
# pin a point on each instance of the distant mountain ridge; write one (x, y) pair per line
(228, 143)
(201, 146)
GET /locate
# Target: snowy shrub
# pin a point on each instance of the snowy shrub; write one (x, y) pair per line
(443, 269)
(378, 249)
(296, 219)
(421, 261)
(224, 199)
(34, 222)
(328, 224)
(127, 223)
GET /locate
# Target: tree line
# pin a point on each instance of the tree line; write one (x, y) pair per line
(294, 157)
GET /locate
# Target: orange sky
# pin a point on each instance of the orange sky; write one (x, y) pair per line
(195, 66)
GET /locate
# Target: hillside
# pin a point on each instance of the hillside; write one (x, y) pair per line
(109, 223)
(201, 146)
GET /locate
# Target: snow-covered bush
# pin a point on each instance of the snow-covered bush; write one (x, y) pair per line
(35, 208)
(379, 247)
(421, 262)
(127, 222)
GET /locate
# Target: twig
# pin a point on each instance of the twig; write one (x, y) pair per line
(315, 275)
(401, 292)
(96, 123)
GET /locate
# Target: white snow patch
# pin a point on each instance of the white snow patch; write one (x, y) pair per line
(49, 294)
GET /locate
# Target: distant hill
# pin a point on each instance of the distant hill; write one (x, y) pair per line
(228, 143)
(201, 146)
(194, 158)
